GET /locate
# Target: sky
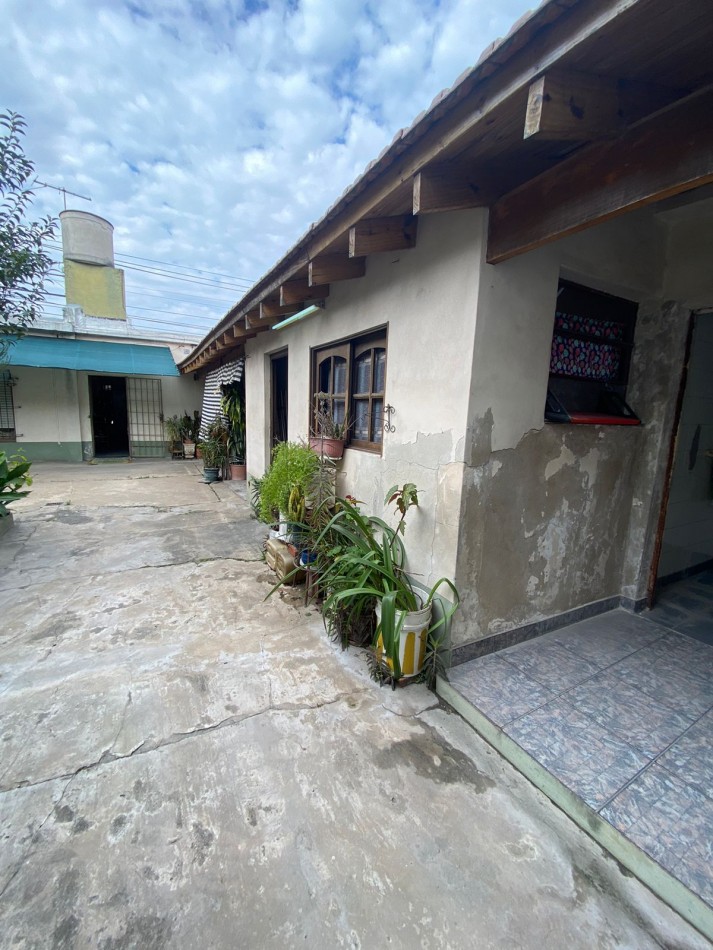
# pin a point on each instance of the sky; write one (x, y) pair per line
(212, 133)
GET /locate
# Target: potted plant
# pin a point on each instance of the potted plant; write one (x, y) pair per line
(190, 427)
(293, 464)
(370, 569)
(174, 435)
(329, 434)
(214, 457)
(233, 407)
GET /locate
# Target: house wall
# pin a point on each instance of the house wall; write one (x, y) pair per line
(47, 423)
(558, 516)
(52, 411)
(427, 297)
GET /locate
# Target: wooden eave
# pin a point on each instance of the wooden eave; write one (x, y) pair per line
(470, 148)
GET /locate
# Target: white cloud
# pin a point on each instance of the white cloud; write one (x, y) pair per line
(213, 132)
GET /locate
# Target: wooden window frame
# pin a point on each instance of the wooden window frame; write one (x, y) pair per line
(351, 349)
(574, 396)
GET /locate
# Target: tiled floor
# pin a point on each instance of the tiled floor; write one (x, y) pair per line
(620, 709)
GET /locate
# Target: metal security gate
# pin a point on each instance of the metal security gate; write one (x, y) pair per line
(146, 435)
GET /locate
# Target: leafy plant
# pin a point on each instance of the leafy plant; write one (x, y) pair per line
(293, 464)
(255, 488)
(371, 567)
(233, 407)
(24, 262)
(214, 453)
(190, 426)
(14, 476)
(174, 429)
(325, 424)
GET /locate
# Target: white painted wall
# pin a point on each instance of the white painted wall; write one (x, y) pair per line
(427, 297)
(45, 405)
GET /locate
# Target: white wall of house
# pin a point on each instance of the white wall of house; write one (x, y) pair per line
(52, 410)
(557, 516)
(427, 297)
(46, 408)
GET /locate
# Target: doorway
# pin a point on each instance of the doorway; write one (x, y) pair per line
(278, 394)
(110, 422)
(687, 541)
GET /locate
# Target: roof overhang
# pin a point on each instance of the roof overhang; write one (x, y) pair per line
(587, 109)
(123, 359)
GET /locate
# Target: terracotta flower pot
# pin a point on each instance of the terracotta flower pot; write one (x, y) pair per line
(238, 471)
(330, 448)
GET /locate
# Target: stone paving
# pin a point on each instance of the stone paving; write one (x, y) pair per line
(185, 765)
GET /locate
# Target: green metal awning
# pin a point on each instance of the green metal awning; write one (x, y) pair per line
(126, 359)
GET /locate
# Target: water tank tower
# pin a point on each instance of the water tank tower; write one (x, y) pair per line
(87, 238)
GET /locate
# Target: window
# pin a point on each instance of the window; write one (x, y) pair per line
(589, 361)
(351, 378)
(7, 409)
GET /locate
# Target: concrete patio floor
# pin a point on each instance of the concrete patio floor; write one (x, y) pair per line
(183, 765)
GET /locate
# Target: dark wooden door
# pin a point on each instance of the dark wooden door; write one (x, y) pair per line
(110, 423)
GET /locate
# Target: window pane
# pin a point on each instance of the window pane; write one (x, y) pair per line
(338, 410)
(323, 374)
(377, 420)
(361, 420)
(340, 375)
(379, 370)
(363, 373)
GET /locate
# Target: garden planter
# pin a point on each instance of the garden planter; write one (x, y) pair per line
(189, 450)
(412, 640)
(211, 474)
(329, 448)
(238, 471)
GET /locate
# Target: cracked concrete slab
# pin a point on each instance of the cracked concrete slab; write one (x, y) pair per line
(183, 764)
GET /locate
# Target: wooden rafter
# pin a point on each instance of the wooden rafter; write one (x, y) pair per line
(299, 291)
(373, 235)
(570, 106)
(273, 311)
(445, 188)
(667, 154)
(330, 268)
(574, 106)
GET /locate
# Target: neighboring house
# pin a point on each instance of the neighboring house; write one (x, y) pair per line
(516, 270)
(89, 385)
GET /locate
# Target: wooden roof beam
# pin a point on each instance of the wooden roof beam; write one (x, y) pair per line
(273, 311)
(449, 188)
(299, 291)
(329, 268)
(373, 235)
(573, 106)
(659, 157)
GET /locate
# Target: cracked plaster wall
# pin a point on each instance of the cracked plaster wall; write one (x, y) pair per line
(427, 297)
(556, 517)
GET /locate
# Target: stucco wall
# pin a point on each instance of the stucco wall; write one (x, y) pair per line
(427, 297)
(52, 410)
(47, 421)
(557, 516)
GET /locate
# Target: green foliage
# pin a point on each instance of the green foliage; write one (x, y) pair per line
(255, 484)
(214, 452)
(233, 407)
(174, 429)
(24, 263)
(367, 564)
(293, 464)
(190, 426)
(14, 476)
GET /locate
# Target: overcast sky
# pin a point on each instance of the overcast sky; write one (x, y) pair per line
(211, 133)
